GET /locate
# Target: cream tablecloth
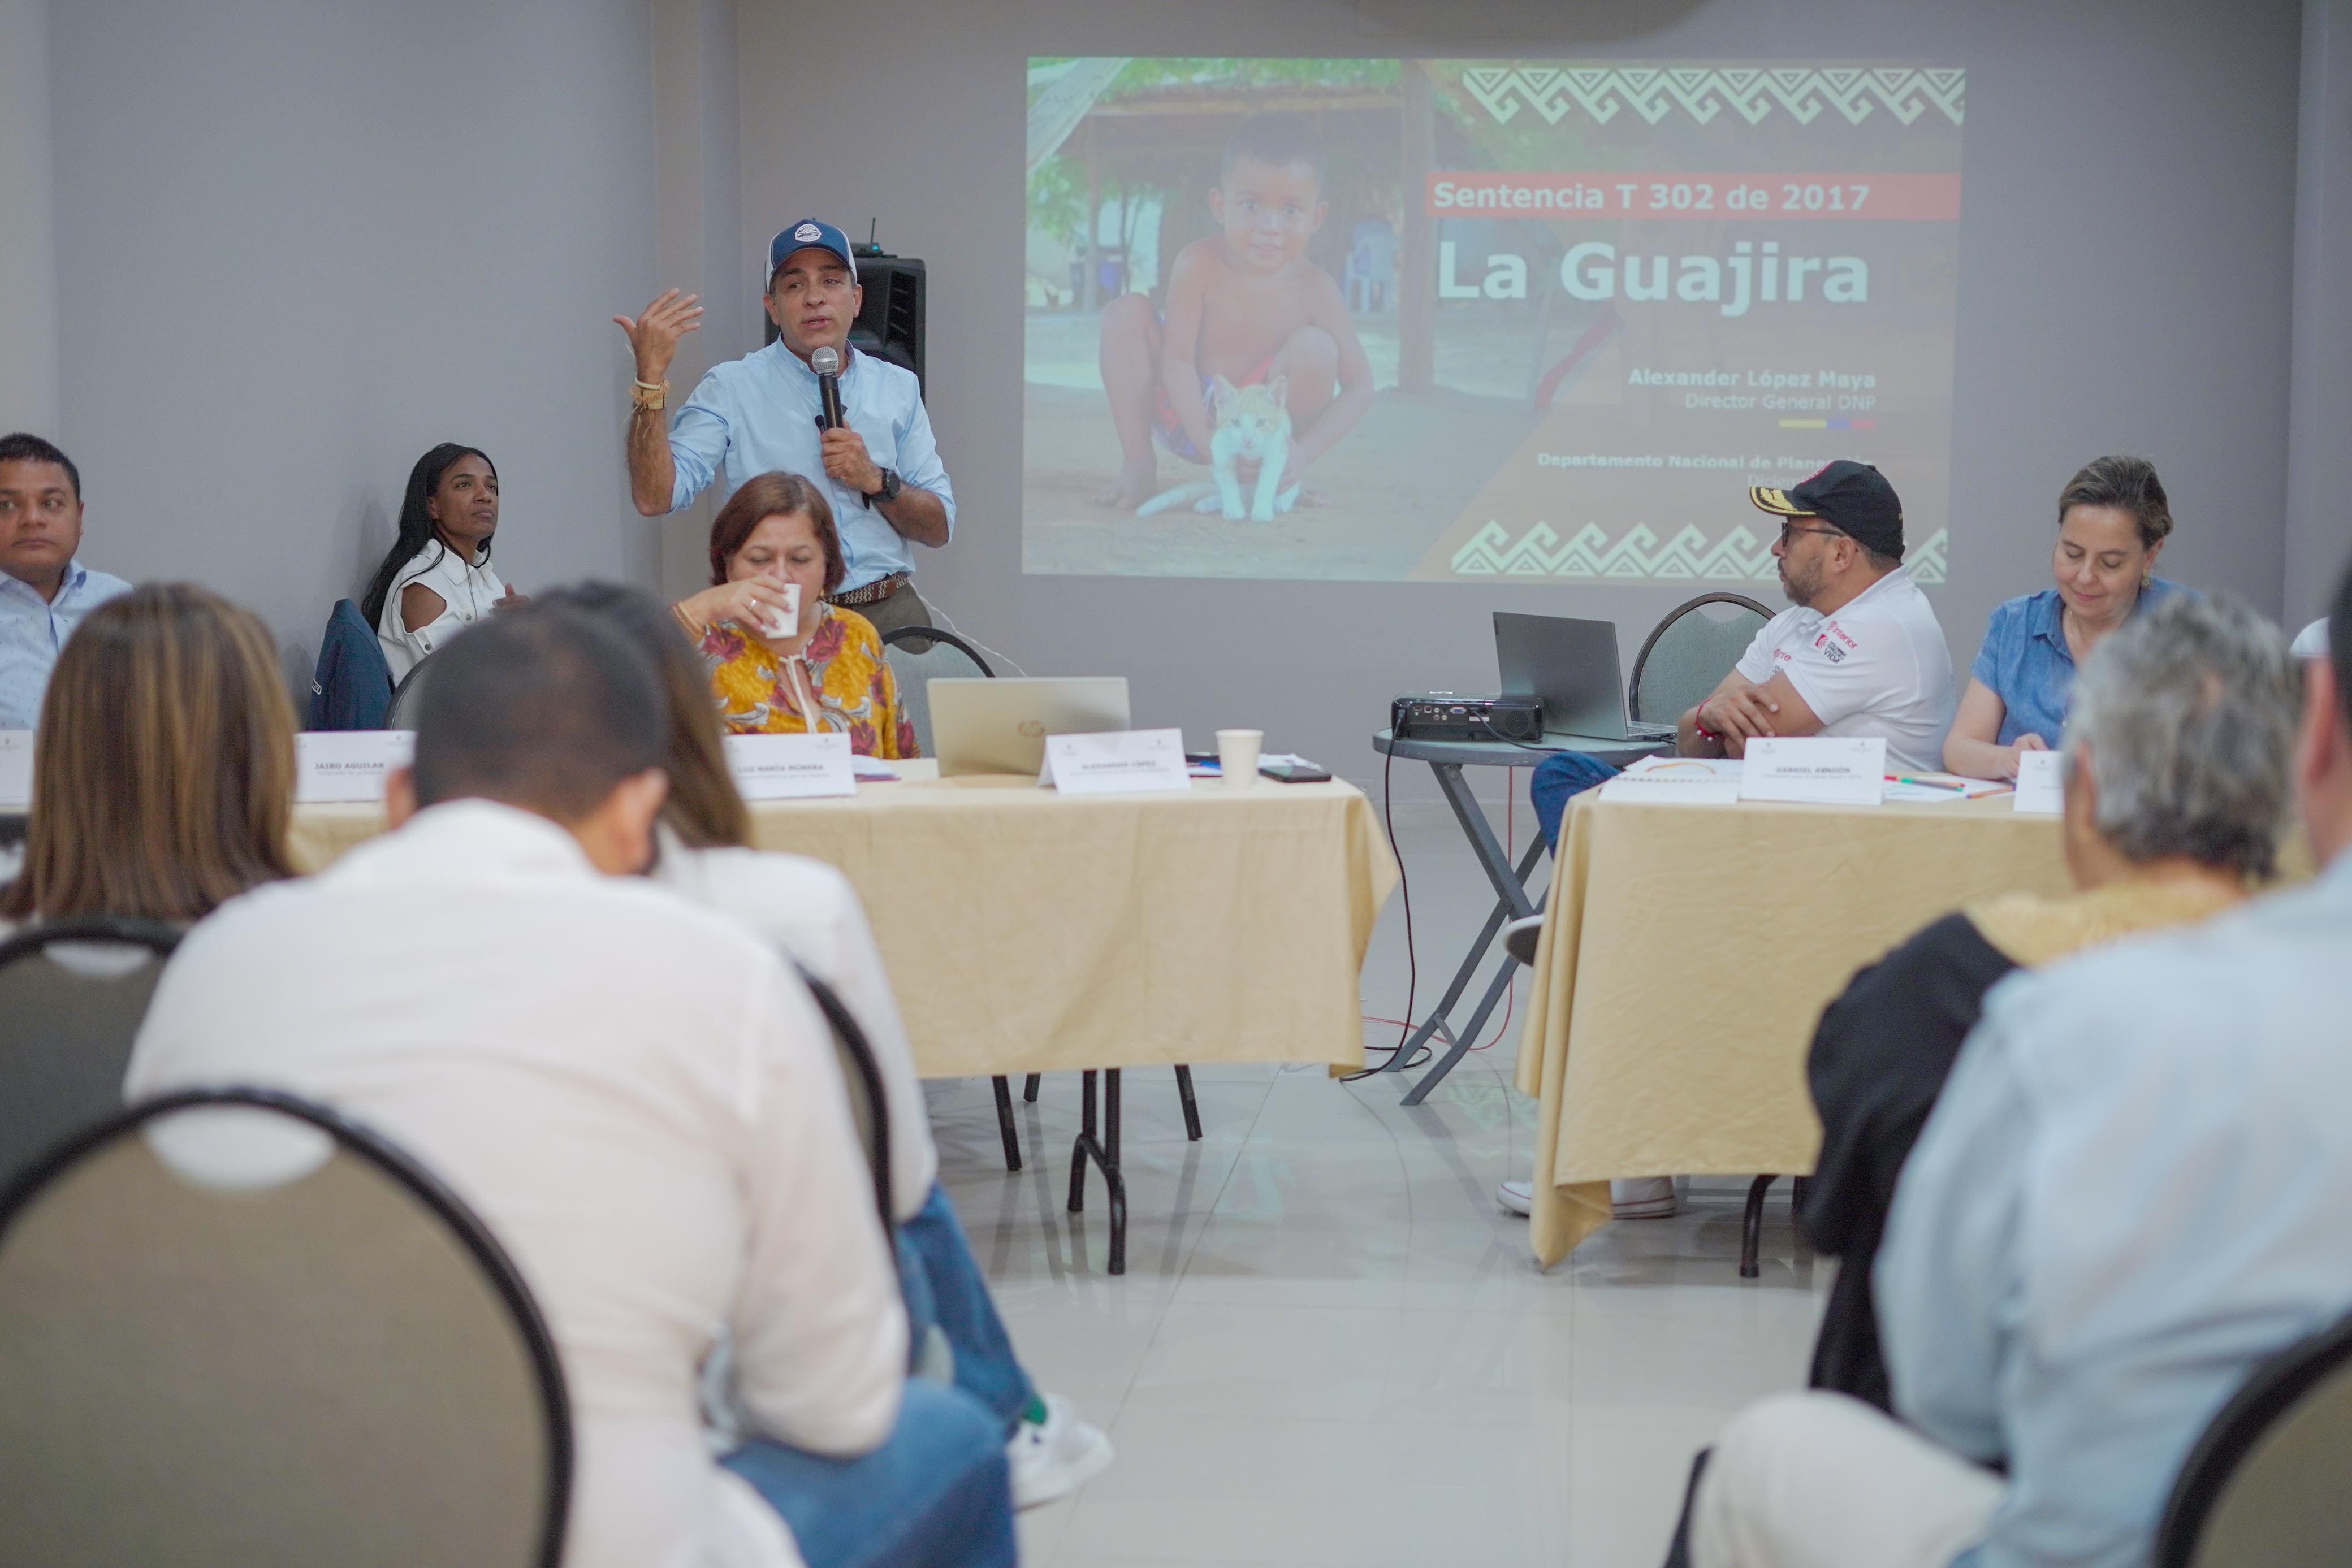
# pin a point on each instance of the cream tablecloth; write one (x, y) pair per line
(1688, 952)
(1026, 932)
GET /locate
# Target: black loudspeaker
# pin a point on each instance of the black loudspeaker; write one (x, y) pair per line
(890, 322)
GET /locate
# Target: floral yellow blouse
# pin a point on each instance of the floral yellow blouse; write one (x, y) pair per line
(842, 682)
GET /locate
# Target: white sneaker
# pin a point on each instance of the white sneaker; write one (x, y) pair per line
(1519, 938)
(1517, 1197)
(1642, 1197)
(1055, 1457)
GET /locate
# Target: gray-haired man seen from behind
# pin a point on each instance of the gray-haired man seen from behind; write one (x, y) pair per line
(2131, 1192)
(635, 1094)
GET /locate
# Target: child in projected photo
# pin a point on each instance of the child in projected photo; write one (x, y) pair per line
(1256, 370)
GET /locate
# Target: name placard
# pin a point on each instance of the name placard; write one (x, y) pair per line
(791, 766)
(16, 769)
(348, 763)
(2041, 782)
(1117, 762)
(1844, 771)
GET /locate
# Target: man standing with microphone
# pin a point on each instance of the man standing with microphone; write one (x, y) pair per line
(807, 404)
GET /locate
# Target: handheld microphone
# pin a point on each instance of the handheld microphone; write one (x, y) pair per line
(826, 363)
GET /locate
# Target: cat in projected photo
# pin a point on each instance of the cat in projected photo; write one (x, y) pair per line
(1256, 365)
(1253, 428)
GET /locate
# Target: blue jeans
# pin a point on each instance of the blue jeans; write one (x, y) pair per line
(1558, 776)
(942, 1283)
(936, 1494)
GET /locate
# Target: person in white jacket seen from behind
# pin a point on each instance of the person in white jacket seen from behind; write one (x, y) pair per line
(638, 1097)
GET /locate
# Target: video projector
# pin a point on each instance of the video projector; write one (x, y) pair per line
(1452, 715)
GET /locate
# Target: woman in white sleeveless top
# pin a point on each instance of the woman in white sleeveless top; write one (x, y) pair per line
(436, 579)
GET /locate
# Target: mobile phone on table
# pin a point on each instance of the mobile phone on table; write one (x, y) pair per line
(1295, 772)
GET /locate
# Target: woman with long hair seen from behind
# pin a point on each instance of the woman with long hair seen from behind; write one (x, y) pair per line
(808, 911)
(164, 768)
(436, 580)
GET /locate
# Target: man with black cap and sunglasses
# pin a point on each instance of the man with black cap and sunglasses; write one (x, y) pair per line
(1860, 653)
(764, 412)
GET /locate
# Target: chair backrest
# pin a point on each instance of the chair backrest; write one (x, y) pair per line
(2265, 1488)
(235, 1329)
(1689, 653)
(402, 714)
(351, 685)
(72, 996)
(869, 1104)
(916, 654)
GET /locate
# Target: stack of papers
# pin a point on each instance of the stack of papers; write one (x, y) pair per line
(872, 769)
(1684, 781)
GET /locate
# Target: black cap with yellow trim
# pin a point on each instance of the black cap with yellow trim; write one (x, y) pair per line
(1853, 498)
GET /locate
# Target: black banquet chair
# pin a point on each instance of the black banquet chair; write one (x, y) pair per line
(238, 1331)
(408, 696)
(1688, 653)
(2263, 1488)
(72, 996)
(916, 655)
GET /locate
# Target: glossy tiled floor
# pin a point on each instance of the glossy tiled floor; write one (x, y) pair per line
(1331, 1347)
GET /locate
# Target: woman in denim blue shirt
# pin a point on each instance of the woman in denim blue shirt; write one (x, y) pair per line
(2112, 518)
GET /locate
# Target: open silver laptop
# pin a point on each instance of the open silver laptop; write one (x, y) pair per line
(980, 726)
(1571, 665)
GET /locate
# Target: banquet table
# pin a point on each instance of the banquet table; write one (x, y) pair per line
(1027, 931)
(1686, 954)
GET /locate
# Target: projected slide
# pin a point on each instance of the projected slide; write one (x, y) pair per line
(1469, 319)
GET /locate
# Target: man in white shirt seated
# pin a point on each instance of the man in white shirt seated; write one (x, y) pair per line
(1859, 653)
(2131, 1193)
(635, 1095)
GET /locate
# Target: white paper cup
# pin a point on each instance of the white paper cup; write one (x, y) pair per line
(1237, 756)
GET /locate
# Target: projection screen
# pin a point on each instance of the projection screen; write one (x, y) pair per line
(1469, 319)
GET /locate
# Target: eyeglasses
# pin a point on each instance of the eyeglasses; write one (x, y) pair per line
(1789, 530)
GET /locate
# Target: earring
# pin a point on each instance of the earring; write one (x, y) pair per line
(2146, 581)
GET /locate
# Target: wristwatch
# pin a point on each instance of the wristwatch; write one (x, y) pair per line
(891, 486)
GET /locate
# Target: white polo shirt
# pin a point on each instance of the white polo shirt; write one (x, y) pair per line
(1878, 666)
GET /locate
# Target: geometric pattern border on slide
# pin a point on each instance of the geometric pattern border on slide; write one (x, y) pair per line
(1701, 92)
(1639, 556)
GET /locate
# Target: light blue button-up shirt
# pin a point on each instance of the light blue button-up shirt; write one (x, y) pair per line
(758, 414)
(2025, 662)
(32, 631)
(2136, 1187)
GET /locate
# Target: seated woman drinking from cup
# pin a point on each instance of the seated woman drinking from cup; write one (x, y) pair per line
(781, 659)
(2112, 520)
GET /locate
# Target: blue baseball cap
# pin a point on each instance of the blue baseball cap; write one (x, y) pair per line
(809, 235)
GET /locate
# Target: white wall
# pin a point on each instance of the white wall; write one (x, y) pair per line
(296, 242)
(2124, 285)
(29, 258)
(2319, 474)
(301, 241)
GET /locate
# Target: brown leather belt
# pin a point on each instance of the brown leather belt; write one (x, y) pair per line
(874, 592)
